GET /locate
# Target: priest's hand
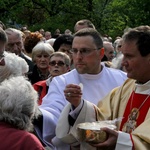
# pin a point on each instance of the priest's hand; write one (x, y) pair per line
(111, 141)
(73, 94)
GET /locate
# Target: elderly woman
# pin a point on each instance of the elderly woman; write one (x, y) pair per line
(18, 105)
(41, 58)
(15, 91)
(12, 65)
(59, 64)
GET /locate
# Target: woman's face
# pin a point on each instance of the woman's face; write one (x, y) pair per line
(42, 60)
(58, 66)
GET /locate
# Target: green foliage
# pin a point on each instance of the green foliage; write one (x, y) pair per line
(109, 16)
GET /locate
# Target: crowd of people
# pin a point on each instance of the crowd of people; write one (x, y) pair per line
(51, 83)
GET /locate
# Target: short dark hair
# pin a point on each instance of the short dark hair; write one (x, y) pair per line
(141, 35)
(62, 39)
(3, 36)
(93, 33)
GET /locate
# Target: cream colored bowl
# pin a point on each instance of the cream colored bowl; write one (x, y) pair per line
(91, 132)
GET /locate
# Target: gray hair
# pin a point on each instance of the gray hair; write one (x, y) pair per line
(107, 45)
(64, 56)
(10, 31)
(18, 102)
(51, 41)
(14, 66)
(42, 47)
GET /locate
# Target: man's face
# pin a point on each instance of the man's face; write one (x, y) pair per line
(137, 67)
(89, 63)
(57, 66)
(47, 35)
(65, 48)
(15, 44)
(110, 53)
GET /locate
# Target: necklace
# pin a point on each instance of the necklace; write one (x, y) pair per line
(131, 122)
(141, 104)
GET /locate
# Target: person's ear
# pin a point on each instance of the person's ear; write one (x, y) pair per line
(102, 53)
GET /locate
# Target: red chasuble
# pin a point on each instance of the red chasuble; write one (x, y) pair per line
(135, 112)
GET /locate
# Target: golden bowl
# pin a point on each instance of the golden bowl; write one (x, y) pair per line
(91, 131)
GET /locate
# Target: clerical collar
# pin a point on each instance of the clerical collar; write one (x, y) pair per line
(143, 88)
(93, 76)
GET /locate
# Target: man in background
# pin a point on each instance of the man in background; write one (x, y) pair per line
(15, 45)
(84, 23)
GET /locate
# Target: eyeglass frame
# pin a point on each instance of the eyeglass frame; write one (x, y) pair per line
(59, 63)
(87, 51)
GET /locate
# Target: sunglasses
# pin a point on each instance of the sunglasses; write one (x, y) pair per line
(59, 63)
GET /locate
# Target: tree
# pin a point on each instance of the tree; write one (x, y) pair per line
(109, 16)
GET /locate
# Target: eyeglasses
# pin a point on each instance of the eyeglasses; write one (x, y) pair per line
(59, 63)
(83, 51)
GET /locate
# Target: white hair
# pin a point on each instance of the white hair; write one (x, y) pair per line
(41, 47)
(14, 66)
(116, 62)
(18, 102)
(51, 41)
(10, 31)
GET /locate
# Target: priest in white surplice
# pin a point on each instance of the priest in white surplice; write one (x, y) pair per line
(131, 101)
(98, 80)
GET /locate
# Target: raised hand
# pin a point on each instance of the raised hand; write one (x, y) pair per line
(73, 94)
